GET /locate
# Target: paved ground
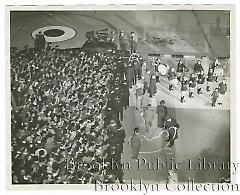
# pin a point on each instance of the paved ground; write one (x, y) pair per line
(204, 133)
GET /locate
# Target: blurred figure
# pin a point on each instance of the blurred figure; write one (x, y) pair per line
(192, 85)
(172, 77)
(222, 88)
(218, 70)
(130, 75)
(135, 142)
(184, 89)
(214, 96)
(133, 42)
(198, 67)
(152, 86)
(122, 42)
(172, 127)
(180, 70)
(210, 80)
(149, 117)
(161, 111)
(200, 80)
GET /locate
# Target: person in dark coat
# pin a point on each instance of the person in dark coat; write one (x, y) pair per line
(117, 137)
(184, 88)
(42, 41)
(210, 80)
(198, 67)
(135, 70)
(161, 111)
(110, 115)
(215, 96)
(124, 97)
(152, 86)
(201, 80)
(138, 68)
(133, 42)
(222, 88)
(192, 85)
(172, 127)
(135, 141)
(180, 69)
(129, 75)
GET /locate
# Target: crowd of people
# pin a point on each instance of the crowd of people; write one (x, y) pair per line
(66, 108)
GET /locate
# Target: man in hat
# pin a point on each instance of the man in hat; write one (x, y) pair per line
(162, 113)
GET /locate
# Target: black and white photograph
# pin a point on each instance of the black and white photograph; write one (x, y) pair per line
(121, 96)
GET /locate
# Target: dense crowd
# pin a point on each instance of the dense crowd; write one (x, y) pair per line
(65, 118)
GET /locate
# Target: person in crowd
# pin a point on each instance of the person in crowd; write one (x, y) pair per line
(192, 85)
(139, 95)
(149, 116)
(135, 142)
(201, 81)
(161, 111)
(133, 42)
(41, 41)
(145, 100)
(152, 86)
(210, 80)
(214, 96)
(124, 97)
(218, 70)
(180, 69)
(122, 41)
(144, 67)
(222, 88)
(157, 63)
(172, 77)
(198, 67)
(184, 88)
(146, 82)
(172, 127)
(130, 75)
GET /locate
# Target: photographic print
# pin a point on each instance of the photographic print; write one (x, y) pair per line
(121, 95)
